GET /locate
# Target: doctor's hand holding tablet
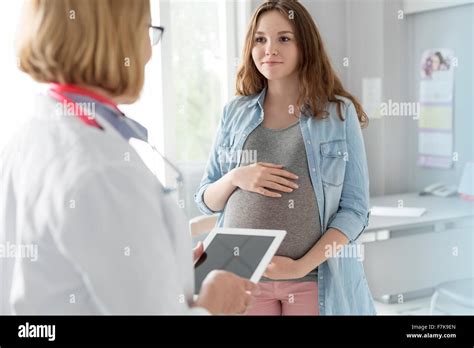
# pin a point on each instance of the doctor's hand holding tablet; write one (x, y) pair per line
(223, 292)
(230, 253)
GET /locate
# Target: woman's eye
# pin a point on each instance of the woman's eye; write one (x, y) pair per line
(259, 39)
(284, 39)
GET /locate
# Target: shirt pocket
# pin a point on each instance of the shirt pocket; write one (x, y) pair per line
(226, 152)
(333, 162)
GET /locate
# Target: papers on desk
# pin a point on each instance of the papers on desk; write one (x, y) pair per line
(400, 212)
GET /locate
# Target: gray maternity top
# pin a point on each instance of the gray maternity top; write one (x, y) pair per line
(295, 212)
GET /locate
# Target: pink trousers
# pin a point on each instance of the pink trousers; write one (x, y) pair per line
(286, 298)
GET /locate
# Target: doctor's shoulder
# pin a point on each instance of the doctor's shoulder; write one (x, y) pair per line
(61, 146)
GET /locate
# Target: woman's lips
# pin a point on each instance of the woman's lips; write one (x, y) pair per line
(272, 64)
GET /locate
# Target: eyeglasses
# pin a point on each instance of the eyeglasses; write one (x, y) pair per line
(155, 34)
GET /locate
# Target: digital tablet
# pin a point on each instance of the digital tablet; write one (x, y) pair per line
(245, 252)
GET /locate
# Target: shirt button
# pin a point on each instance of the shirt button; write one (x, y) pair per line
(314, 169)
(321, 304)
(309, 142)
(339, 153)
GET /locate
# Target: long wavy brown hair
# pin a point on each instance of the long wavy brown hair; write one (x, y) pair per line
(319, 83)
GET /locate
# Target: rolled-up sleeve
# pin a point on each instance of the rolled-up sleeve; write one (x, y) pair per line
(352, 216)
(212, 172)
(199, 199)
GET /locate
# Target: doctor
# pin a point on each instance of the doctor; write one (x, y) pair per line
(103, 236)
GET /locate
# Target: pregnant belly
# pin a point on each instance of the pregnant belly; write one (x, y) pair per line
(294, 212)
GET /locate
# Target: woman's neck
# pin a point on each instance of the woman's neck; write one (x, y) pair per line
(284, 91)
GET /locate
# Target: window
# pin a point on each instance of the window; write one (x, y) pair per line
(191, 77)
(200, 56)
(16, 88)
(194, 54)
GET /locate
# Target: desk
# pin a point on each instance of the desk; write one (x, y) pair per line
(406, 257)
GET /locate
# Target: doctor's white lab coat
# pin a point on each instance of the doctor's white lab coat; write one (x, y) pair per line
(107, 240)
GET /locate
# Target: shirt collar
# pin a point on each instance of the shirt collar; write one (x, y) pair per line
(258, 98)
(114, 117)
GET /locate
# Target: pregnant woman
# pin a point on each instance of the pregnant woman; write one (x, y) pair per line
(289, 154)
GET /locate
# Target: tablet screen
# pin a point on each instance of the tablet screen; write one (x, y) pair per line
(240, 254)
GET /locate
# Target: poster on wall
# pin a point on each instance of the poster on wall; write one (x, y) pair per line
(435, 123)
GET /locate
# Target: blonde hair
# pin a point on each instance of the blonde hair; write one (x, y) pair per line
(319, 83)
(85, 42)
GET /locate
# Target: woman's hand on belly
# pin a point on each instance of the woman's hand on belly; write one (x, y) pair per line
(261, 177)
(282, 267)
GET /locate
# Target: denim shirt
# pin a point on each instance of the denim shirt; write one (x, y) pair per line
(339, 175)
